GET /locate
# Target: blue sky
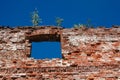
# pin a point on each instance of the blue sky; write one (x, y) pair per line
(100, 12)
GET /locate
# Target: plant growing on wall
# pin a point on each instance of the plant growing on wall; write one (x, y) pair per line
(89, 24)
(35, 18)
(79, 25)
(59, 21)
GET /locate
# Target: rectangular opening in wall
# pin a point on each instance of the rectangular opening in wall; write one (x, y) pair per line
(46, 50)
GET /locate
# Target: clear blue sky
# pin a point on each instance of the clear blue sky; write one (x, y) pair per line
(101, 13)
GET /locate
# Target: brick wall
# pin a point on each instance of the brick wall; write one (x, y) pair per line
(88, 54)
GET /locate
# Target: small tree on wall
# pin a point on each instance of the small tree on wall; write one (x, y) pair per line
(59, 21)
(35, 18)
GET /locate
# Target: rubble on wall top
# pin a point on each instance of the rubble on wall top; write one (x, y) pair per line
(55, 27)
(30, 27)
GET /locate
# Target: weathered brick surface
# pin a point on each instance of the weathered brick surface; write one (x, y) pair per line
(88, 54)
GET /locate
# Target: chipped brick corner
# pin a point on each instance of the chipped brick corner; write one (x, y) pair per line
(88, 54)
